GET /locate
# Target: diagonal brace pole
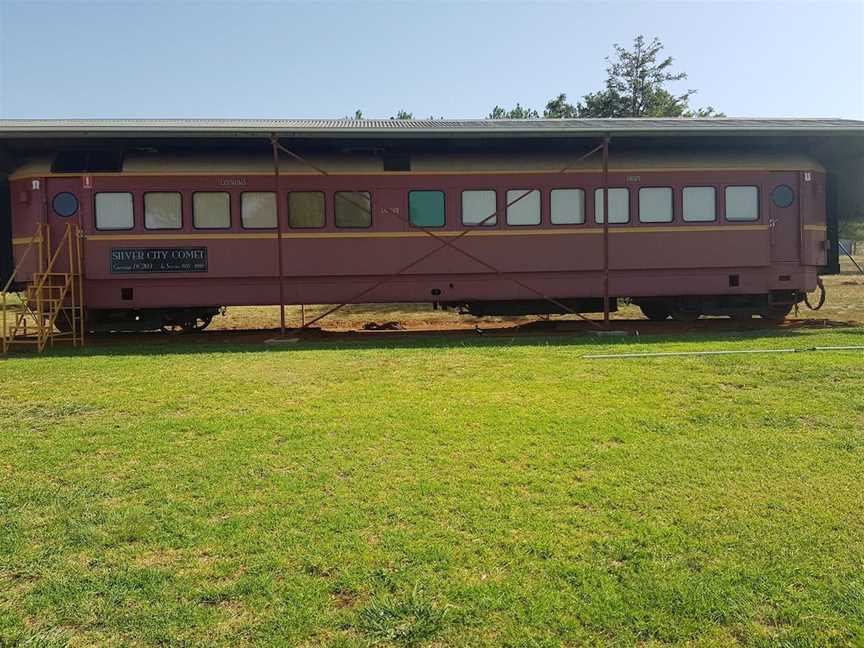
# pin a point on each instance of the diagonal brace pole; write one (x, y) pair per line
(445, 242)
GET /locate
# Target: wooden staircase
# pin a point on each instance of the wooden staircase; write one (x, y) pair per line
(50, 307)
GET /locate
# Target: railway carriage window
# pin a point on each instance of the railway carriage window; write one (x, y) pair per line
(700, 204)
(211, 209)
(258, 209)
(478, 206)
(353, 208)
(162, 211)
(742, 203)
(568, 206)
(426, 208)
(65, 204)
(655, 205)
(525, 209)
(782, 196)
(114, 211)
(306, 209)
(619, 205)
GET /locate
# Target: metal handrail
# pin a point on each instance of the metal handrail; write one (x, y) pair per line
(36, 238)
(53, 258)
(58, 294)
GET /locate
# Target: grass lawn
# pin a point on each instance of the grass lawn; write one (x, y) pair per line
(434, 492)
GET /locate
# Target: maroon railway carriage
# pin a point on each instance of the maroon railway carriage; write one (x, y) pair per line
(172, 239)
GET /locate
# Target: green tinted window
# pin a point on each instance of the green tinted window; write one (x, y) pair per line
(306, 209)
(353, 208)
(426, 208)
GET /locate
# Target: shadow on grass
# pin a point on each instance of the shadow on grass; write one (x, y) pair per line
(545, 334)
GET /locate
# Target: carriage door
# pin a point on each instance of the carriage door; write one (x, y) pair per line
(784, 217)
(64, 207)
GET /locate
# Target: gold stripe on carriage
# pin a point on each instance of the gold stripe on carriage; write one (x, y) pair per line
(426, 233)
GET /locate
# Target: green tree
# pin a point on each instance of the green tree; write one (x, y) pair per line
(516, 113)
(635, 87)
(403, 114)
(852, 227)
(708, 111)
(559, 108)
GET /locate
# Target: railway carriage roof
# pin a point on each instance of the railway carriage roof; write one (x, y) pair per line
(837, 144)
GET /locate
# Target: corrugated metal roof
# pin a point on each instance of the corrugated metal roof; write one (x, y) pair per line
(425, 127)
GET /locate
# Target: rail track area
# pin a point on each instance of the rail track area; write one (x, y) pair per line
(379, 322)
(393, 331)
(843, 307)
(404, 323)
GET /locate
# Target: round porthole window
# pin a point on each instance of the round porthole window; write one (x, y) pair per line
(65, 204)
(782, 196)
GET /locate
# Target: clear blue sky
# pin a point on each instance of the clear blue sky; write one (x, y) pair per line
(281, 59)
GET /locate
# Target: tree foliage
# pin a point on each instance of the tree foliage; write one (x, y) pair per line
(515, 113)
(635, 87)
(559, 108)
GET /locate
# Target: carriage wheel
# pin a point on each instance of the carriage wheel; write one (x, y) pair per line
(775, 314)
(199, 324)
(685, 315)
(174, 327)
(656, 311)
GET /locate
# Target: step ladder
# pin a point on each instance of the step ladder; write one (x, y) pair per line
(49, 308)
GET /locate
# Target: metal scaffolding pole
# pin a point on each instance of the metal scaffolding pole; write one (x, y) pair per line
(606, 231)
(274, 142)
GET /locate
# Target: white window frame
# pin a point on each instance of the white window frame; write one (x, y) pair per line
(179, 209)
(195, 210)
(131, 210)
(648, 218)
(523, 205)
(243, 211)
(492, 222)
(684, 211)
(726, 203)
(598, 204)
(569, 190)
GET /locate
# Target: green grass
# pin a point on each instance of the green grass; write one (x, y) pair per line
(436, 492)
